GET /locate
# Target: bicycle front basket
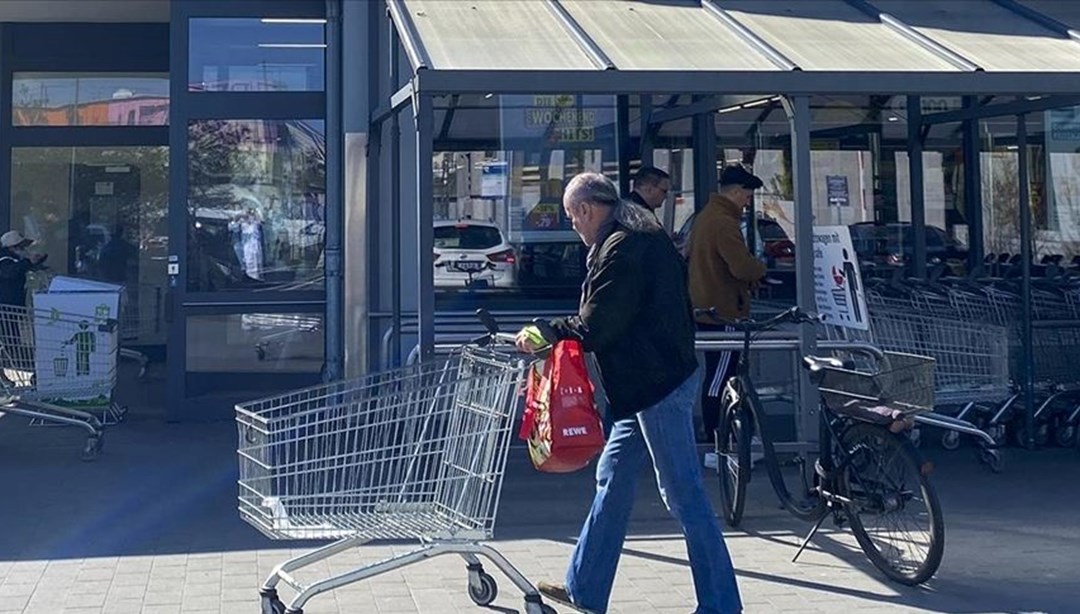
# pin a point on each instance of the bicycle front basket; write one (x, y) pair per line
(903, 383)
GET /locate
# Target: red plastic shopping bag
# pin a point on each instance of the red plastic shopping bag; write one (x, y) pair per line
(561, 422)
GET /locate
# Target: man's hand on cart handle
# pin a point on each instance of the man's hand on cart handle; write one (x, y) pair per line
(532, 339)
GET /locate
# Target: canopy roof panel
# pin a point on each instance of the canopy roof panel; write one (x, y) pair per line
(672, 35)
(833, 35)
(991, 36)
(742, 46)
(494, 34)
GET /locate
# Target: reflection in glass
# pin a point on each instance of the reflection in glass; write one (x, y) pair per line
(510, 196)
(256, 204)
(90, 99)
(256, 55)
(255, 343)
(1062, 138)
(100, 213)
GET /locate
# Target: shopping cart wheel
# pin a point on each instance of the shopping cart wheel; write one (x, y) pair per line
(485, 593)
(270, 602)
(93, 447)
(992, 459)
(950, 440)
(1065, 435)
(1042, 435)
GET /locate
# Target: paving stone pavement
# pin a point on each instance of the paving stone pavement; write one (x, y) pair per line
(152, 528)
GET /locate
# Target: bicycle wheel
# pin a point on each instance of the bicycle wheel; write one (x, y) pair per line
(894, 510)
(733, 456)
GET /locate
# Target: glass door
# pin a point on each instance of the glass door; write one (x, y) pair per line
(253, 300)
(248, 207)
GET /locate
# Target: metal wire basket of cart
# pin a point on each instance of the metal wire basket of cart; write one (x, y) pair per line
(416, 453)
(53, 366)
(903, 384)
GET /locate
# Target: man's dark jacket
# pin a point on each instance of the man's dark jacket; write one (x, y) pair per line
(635, 315)
(13, 270)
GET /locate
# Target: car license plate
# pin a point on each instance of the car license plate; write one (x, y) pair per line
(467, 266)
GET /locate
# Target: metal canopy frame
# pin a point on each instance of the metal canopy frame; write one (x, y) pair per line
(794, 85)
(661, 82)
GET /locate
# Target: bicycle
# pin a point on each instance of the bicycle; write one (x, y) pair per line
(863, 419)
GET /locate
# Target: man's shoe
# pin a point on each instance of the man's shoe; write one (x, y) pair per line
(558, 593)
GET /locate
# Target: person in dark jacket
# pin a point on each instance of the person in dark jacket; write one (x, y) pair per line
(651, 187)
(15, 263)
(635, 316)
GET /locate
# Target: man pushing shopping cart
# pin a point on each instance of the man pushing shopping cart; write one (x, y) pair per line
(420, 452)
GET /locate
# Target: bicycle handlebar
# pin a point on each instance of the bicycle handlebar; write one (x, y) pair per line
(794, 315)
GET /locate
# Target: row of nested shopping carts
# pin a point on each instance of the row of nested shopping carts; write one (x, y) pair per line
(973, 327)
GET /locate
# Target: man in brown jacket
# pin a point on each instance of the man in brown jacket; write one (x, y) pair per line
(722, 274)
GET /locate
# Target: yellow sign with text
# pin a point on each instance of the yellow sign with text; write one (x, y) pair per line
(562, 119)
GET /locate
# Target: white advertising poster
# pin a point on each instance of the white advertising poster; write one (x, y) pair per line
(74, 353)
(493, 180)
(837, 286)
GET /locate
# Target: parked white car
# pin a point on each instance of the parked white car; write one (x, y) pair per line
(472, 254)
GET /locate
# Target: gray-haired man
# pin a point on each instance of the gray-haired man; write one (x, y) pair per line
(635, 316)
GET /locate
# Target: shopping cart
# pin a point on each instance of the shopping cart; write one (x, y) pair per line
(413, 453)
(280, 329)
(53, 366)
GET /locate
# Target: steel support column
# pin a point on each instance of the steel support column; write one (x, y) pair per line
(799, 114)
(622, 142)
(704, 131)
(1025, 295)
(395, 207)
(423, 107)
(973, 210)
(646, 140)
(915, 184)
(335, 202)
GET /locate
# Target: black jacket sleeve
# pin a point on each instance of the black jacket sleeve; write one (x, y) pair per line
(613, 297)
(11, 268)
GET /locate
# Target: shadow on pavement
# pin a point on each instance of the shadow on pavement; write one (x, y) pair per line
(1012, 539)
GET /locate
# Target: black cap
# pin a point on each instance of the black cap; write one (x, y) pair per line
(735, 174)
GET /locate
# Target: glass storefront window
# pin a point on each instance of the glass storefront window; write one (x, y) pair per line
(256, 55)
(100, 213)
(90, 99)
(255, 343)
(1061, 135)
(256, 204)
(512, 193)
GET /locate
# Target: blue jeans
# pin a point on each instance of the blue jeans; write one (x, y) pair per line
(665, 432)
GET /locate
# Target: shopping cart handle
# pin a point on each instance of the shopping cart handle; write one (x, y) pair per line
(487, 320)
(546, 330)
